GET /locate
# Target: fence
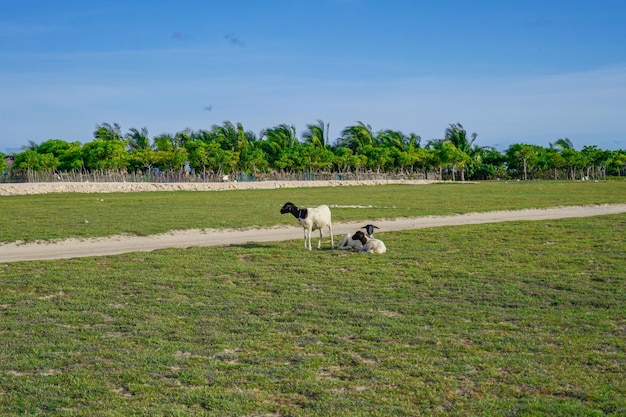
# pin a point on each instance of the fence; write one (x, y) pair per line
(172, 177)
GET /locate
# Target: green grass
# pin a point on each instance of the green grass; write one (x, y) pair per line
(59, 216)
(514, 319)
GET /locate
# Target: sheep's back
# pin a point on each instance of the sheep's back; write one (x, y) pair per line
(319, 216)
(376, 246)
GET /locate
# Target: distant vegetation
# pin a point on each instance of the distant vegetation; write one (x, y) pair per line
(229, 149)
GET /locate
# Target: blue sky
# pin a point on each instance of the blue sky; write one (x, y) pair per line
(511, 71)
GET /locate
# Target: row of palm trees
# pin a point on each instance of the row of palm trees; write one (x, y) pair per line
(229, 148)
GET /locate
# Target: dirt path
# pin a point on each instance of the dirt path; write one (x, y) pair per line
(75, 248)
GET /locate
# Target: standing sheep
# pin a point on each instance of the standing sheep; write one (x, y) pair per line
(312, 218)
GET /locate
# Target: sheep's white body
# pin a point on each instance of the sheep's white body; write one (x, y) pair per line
(352, 242)
(348, 243)
(374, 246)
(312, 218)
(370, 244)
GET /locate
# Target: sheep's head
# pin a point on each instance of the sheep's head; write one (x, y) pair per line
(288, 208)
(369, 228)
(360, 236)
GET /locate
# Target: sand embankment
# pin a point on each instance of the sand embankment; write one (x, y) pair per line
(127, 187)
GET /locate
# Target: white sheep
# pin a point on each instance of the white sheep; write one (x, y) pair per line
(312, 218)
(370, 245)
(349, 243)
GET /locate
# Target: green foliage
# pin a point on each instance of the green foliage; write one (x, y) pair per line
(357, 137)
(31, 160)
(108, 132)
(138, 139)
(101, 154)
(316, 135)
(523, 318)
(523, 158)
(229, 148)
(3, 164)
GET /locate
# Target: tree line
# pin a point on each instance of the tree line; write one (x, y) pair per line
(230, 149)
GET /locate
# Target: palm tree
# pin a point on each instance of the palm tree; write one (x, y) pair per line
(357, 137)
(181, 138)
(164, 143)
(438, 155)
(562, 144)
(277, 140)
(402, 148)
(318, 150)
(32, 145)
(566, 148)
(227, 135)
(138, 139)
(105, 131)
(393, 139)
(316, 135)
(281, 137)
(457, 135)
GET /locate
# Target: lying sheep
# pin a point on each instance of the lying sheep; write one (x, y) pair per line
(370, 245)
(349, 243)
(312, 218)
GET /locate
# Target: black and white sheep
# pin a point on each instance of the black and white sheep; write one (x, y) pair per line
(311, 218)
(349, 243)
(369, 230)
(370, 245)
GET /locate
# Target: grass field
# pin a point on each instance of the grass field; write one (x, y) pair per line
(512, 319)
(58, 216)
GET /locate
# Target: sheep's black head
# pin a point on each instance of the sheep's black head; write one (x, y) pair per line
(288, 208)
(369, 228)
(360, 236)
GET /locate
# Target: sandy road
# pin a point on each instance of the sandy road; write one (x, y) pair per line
(75, 248)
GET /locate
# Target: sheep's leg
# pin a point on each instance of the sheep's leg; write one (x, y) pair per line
(307, 238)
(344, 242)
(332, 243)
(319, 244)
